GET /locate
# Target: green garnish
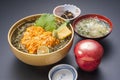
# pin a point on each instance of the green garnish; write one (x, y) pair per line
(63, 31)
(46, 21)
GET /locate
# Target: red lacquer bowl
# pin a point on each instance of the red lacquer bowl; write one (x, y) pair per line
(101, 17)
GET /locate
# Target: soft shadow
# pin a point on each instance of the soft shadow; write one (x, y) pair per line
(28, 72)
(94, 75)
(69, 59)
(106, 43)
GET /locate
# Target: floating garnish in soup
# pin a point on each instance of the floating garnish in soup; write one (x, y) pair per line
(92, 27)
(44, 35)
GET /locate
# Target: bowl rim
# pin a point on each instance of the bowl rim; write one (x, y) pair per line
(99, 16)
(64, 6)
(34, 15)
(62, 65)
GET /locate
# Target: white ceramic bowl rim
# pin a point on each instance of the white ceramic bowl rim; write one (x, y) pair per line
(63, 66)
(67, 6)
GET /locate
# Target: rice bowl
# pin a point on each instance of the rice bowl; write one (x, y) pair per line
(40, 59)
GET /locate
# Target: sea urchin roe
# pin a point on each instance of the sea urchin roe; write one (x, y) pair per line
(92, 27)
(34, 37)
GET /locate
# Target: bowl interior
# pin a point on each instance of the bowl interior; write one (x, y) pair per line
(100, 17)
(59, 10)
(13, 30)
(63, 72)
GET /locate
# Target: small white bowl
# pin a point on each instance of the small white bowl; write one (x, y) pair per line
(59, 10)
(63, 72)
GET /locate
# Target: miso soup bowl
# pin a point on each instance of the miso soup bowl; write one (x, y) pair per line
(34, 59)
(99, 17)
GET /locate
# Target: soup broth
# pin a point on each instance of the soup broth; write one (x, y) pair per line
(92, 27)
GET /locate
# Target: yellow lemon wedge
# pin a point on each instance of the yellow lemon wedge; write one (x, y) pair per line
(42, 50)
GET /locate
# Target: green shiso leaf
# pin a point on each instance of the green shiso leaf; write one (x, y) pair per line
(46, 21)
